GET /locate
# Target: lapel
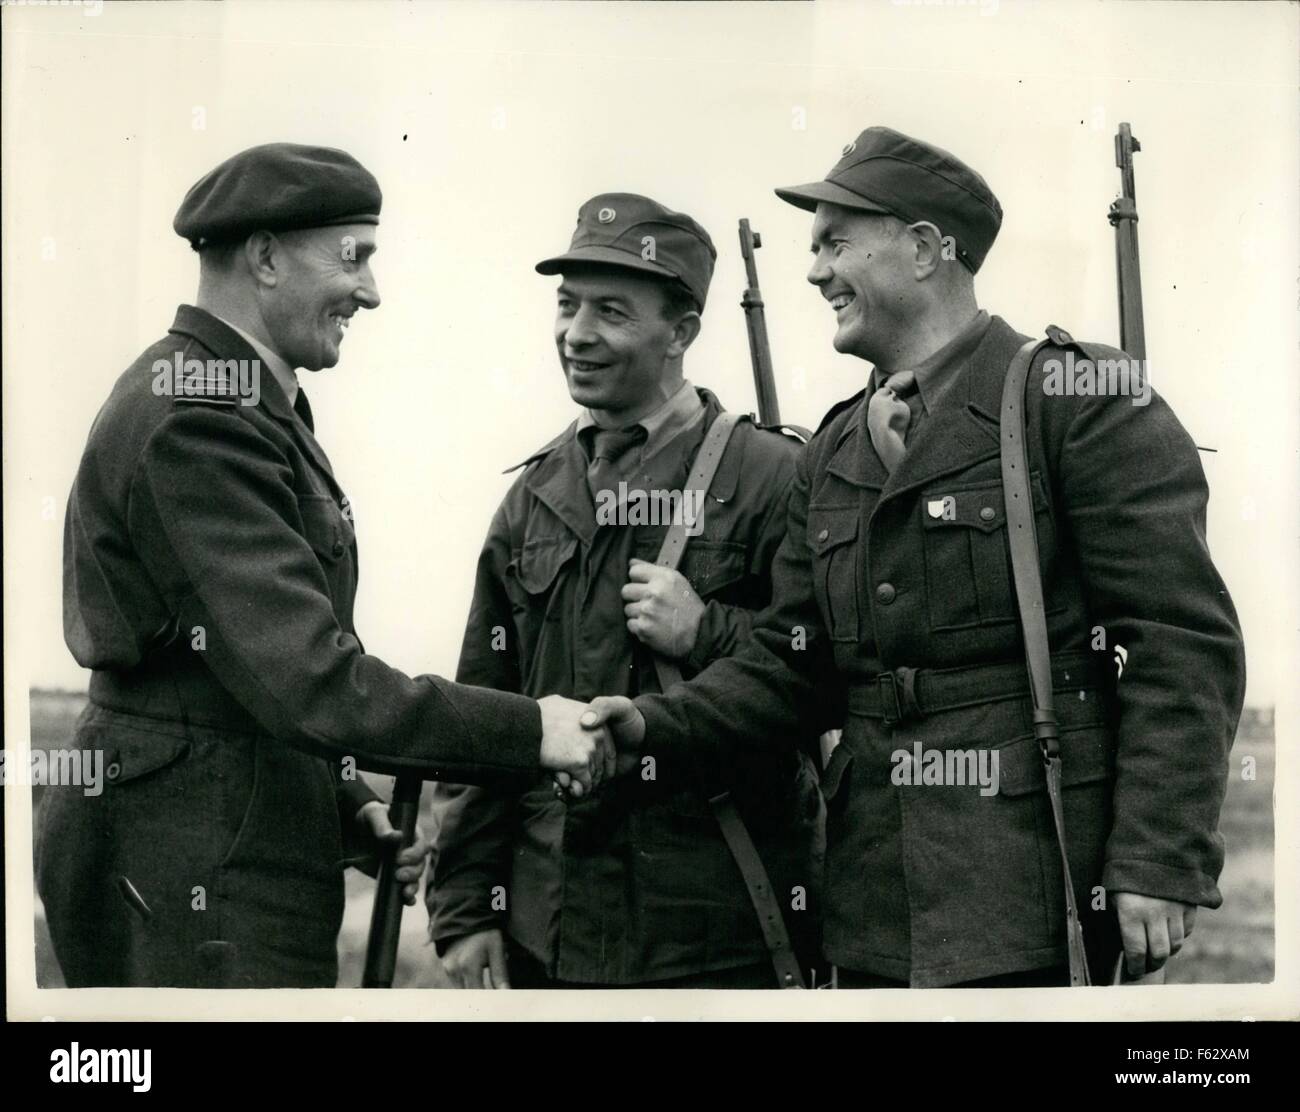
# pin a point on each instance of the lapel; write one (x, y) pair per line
(963, 430)
(225, 343)
(559, 482)
(855, 460)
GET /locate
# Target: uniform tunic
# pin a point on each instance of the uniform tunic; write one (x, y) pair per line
(210, 569)
(634, 883)
(939, 885)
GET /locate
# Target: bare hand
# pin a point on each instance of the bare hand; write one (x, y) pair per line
(585, 756)
(373, 820)
(662, 609)
(477, 961)
(1153, 930)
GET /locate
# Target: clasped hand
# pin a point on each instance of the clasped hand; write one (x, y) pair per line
(584, 744)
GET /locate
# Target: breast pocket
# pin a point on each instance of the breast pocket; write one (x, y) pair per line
(531, 578)
(968, 555)
(836, 562)
(331, 537)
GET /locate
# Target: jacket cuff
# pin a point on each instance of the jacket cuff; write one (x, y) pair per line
(710, 640)
(1165, 882)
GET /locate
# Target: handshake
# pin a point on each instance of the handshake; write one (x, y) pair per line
(586, 743)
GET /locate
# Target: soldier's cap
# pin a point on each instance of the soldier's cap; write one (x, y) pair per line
(278, 187)
(633, 232)
(883, 170)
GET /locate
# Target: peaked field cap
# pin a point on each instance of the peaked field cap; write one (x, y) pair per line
(633, 232)
(278, 187)
(883, 170)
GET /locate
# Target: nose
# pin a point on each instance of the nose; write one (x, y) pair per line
(367, 293)
(820, 272)
(579, 332)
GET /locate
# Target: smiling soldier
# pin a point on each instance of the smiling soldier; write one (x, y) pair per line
(210, 570)
(635, 884)
(897, 563)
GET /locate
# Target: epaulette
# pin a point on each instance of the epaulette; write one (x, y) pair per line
(795, 432)
(840, 407)
(545, 450)
(1062, 339)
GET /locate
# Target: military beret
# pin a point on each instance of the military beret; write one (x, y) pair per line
(883, 170)
(278, 187)
(635, 233)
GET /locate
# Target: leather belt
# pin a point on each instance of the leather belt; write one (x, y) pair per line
(908, 693)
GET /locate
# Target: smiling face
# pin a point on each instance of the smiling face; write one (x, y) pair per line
(864, 265)
(322, 277)
(620, 354)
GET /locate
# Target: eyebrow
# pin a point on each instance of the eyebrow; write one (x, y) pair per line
(604, 299)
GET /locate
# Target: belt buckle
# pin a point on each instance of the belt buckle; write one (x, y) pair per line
(898, 695)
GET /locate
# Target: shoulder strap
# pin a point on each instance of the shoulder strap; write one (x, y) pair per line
(739, 842)
(1029, 598)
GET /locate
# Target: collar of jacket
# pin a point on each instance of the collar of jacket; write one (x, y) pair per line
(960, 432)
(225, 343)
(557, 473)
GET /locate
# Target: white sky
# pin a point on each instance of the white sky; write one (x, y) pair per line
(487, 126)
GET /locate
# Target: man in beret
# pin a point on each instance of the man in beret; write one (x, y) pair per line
(210, 569)
(897, 563)
(635, 884)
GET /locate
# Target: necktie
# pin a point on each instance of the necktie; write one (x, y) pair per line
(888, 416)
(608, 447)
(303, 410)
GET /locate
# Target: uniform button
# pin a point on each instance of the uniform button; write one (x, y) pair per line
(113, 771)
(338, 549)
(988, 513)
(823, 534)
(885, 594)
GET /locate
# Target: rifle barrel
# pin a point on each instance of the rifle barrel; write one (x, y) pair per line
(386, 918)
(1123, 216)
(760, 353)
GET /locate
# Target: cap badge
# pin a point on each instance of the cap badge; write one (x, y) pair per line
(849, 148)
(606, 215)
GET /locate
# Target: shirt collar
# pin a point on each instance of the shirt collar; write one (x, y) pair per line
(284, 374)
(676, 415)
(936, 373)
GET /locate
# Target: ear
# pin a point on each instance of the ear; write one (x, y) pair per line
(684, 333)
(264, 256)
(928, 248)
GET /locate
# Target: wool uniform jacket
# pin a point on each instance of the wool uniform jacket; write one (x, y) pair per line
(943, 884)
(635, 883)
(210, 568)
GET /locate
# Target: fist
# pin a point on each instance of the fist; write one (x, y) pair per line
(662, 609)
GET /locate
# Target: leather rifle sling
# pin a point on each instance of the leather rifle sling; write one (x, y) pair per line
(739, 842)
(1029, 599)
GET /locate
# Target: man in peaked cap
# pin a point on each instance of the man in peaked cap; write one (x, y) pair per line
(635, 884)
(896, 561)
(210, 568)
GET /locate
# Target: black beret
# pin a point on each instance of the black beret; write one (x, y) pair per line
(278, 187)
(883, 170)
(633, 232)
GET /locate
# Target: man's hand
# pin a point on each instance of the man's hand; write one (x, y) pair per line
(581, 757)
(1153, 930)
(662, 609)
(618, 715)
(372, 818)
(477, 961)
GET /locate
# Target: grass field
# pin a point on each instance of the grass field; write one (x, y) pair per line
(1233, 945)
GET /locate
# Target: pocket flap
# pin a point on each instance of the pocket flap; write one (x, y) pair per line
(1086, 755)
(826, 529)
(978, 507)
(712, 565)
(129, 755)
(540, 561)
